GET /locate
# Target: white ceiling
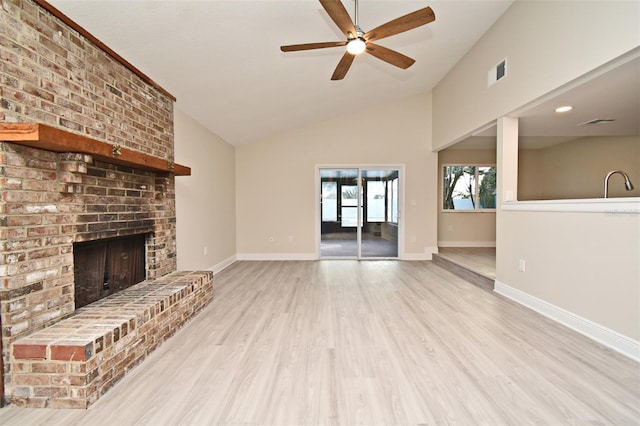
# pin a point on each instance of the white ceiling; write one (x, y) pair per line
(221, 59)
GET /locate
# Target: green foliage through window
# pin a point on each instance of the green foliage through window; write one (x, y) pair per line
(469, 187)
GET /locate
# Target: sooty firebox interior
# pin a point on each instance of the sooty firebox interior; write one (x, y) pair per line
(104, 267)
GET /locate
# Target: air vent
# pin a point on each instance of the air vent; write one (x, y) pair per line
(497, 72)
(597, 121)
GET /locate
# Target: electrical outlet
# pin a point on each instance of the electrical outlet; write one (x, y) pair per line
(521, 265)
(205, 250)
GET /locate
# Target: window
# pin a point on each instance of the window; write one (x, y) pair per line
(469, 187)
(343, 202)
(329, 201)
(349, 206)
(375, 201)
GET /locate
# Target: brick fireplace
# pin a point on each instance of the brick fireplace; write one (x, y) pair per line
(41, 221)
(54, 73)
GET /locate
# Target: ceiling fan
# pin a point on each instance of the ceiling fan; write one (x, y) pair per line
(358, 41)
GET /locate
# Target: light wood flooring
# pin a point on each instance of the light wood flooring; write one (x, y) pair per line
(363, 342)
(481, 260)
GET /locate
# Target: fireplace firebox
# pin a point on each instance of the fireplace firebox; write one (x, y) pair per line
(106, 266)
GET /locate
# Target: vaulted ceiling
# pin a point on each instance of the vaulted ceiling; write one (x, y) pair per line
(221, 59)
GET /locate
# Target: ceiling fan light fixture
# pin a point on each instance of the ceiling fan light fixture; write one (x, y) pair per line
(356, 46)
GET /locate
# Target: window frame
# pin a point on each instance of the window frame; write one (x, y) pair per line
(392, 193)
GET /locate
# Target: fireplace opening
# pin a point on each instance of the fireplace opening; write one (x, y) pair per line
(106, 266)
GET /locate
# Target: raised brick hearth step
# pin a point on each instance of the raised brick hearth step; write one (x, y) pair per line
(73, 362)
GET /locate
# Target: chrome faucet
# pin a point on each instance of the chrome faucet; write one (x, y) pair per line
(627, 182)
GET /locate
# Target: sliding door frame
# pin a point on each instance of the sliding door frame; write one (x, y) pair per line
(360, 167)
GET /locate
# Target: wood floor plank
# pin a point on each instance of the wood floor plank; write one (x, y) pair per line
(479, 259)
(353, 342)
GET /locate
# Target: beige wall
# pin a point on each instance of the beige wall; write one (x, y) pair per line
(546, 43)
(276, 177)
(206, 200)
(465, 228)
(576, 169)
(583, 263)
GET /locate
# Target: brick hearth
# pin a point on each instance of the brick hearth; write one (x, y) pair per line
(70, 364)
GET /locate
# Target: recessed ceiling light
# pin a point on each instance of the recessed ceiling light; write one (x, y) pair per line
(564, 108)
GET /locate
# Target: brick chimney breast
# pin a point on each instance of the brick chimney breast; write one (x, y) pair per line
(56, 75)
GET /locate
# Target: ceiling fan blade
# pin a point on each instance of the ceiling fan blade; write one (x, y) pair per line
(402, 24)
(343, 66)
(310, 46)
(390, 56)
(335, 9)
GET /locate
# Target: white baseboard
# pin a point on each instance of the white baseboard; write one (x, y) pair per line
(276, 256)
(220, 266)
(466, 243)
(313, 256)
(612, 339)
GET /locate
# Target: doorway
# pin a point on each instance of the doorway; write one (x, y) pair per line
(359, 212)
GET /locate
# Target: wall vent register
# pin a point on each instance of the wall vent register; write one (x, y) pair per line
(497, 72)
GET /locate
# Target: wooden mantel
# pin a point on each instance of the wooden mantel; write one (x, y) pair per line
(58, 140)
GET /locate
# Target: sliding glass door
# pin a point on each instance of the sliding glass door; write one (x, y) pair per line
(379, 231)
(339, 212)
(359, 212)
